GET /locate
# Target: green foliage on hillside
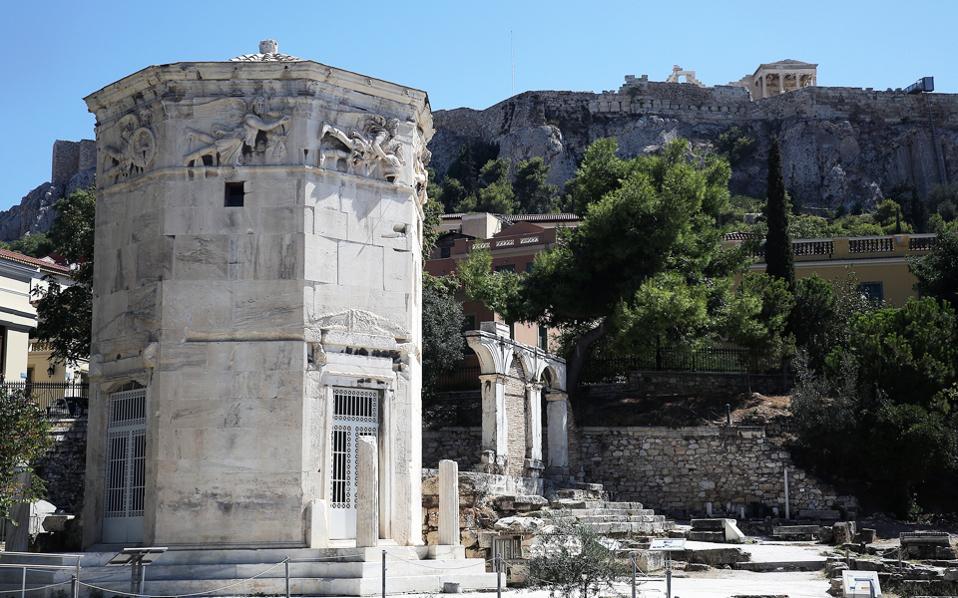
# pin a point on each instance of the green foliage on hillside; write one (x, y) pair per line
(32, 244)
(479, 181)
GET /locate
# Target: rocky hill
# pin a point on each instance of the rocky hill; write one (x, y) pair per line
(840, 145)
(74, 167)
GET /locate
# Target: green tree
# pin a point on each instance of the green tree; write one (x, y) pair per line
(756, 317)
(666, 311)
(600, 172)
(735, 144)
(442, 320)
(883, 411)
(495, 193)
(473, 155)
(778, 241)
(498, 291)
(24, 439)
(33, 244)
(888, 215)
(533, 194)
(661, 217)
(65, 313)
(452, 193)
(937, 272)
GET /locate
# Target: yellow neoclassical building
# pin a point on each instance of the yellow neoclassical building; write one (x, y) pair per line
(878, 264)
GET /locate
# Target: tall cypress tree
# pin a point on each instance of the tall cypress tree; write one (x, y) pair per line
(778, 243)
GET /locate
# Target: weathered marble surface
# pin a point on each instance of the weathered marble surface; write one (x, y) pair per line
(225, 313)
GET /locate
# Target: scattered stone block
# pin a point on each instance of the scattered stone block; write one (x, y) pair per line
(843, 532)
(866, 535)
(697, 567)
(715, 556)
(796, 532)
(706, 536)
(716, 524)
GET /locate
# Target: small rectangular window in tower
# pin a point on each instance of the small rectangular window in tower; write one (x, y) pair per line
(234, 195)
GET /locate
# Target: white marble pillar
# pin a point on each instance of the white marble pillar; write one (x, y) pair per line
(495, 434)
(448, 502)
(557, 413)
(534, 423)
(367, 492)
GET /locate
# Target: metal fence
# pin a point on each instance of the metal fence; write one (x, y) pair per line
(709, 359)
(464, 377)
(58, 399)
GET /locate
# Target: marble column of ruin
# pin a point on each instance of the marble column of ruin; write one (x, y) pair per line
(534, 424)
(448, 502)
(557, 413)
(367, 492)
(495, 434)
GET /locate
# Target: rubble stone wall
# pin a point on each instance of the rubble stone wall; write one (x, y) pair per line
(64, 466)
(461, 444)
(516, 419)
(678, 470)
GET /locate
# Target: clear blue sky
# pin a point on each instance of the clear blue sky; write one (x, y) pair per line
(458, 51)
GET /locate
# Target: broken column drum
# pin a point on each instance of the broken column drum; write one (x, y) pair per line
(257, 304)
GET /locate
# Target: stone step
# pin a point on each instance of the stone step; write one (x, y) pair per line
(367, 586)
(579, 494)
(615, 529)
(347, 570)
(571, 503)
(613, 513)
(612, 519)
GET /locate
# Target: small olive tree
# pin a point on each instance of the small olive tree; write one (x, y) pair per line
(24, 438)
(573, 560)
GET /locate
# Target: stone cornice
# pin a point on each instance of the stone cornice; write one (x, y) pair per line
(307, 70)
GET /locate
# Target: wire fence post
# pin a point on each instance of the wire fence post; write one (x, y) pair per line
(23, 584)
(75, 585)
(498, 562)
(286, 563)
(634, 565)
(384, 574)
(668, 574)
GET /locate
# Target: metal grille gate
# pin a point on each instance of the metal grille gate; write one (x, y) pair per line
(355, 414)
(125, 467)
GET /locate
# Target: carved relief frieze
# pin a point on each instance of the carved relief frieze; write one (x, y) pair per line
(128, 148)
(420, 174)
(242, 133)
(370, 151)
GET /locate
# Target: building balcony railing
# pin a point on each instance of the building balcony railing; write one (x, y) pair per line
(57, 399)
(872, 245)
(845, 247)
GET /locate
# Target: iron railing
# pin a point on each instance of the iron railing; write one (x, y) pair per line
(58, 399)
(464, 377)
(709, 359)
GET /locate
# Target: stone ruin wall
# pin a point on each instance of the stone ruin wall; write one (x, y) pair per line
(460, 444)
(677, 470)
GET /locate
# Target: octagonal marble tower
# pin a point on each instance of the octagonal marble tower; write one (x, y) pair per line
(257, 303)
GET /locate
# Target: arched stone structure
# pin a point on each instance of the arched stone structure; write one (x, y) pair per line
(539, 371)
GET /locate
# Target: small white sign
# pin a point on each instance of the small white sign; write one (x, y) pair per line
(860, 584)
(667, 544)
